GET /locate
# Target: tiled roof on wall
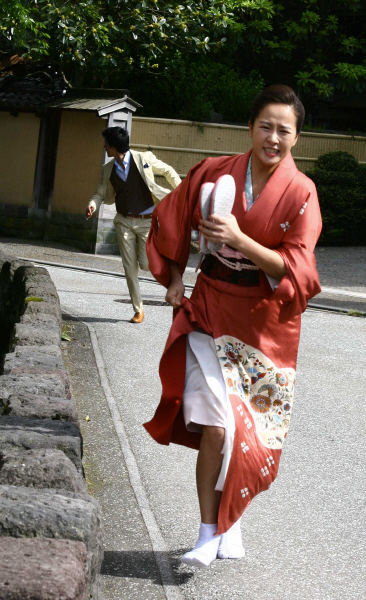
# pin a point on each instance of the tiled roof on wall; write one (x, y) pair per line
(29, 87)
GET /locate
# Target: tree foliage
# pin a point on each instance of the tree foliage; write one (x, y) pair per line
(213, 86)
(100, 36)
(319, 46)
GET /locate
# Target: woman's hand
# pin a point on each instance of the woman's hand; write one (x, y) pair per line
(176, 288)
(175, 293)
(224, 230)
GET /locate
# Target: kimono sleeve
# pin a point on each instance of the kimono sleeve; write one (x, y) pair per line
(170, 234)
(297, 250)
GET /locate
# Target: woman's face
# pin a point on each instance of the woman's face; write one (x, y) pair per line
(274, 134)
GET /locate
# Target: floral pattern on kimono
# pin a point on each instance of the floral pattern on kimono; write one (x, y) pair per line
(266, 391)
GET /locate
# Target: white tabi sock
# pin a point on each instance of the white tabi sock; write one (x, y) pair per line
(205, 551)
(231, 545)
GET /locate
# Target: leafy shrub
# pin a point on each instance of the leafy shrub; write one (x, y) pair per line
(341, 186)
(337, 162)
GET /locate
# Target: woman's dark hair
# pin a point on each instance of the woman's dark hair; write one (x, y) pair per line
(118, 138)
(278, 94)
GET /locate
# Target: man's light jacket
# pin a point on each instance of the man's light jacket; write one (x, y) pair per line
(147, 164)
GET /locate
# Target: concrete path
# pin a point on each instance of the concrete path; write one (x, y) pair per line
(305, 537)
(340, 269)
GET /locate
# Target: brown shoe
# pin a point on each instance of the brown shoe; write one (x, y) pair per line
(138, 317)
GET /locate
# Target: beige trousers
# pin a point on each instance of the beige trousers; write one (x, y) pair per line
(132, 235)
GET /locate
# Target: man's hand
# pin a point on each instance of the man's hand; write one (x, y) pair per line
(89, 211)
(175, 293)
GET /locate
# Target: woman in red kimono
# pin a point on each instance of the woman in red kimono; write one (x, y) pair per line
(228, 368)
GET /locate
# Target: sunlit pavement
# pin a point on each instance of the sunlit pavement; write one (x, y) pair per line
(304, 538)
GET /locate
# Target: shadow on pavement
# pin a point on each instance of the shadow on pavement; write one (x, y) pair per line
(67, 317)
(141, 565)
(145, 301)
(344, 303)
(103, 320)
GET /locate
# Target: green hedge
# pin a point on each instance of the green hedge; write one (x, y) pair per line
(341, 184)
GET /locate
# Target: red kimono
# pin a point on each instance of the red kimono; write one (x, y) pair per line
(256, 329)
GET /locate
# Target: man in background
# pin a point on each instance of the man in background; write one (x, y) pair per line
(128, 180)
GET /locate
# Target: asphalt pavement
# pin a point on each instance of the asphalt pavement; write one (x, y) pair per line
(305, 537)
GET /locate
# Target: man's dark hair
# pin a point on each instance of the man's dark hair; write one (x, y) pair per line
(117, 138)
(278, 94)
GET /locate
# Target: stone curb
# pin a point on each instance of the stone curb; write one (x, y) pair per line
(32, 406)
(55, 514)
(43, 469)
(59, 565)
(49, 384)
(18, 433)
(31, 357)
(43, 493)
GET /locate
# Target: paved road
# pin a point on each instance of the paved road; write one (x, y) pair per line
(340, 269)
(304, 538)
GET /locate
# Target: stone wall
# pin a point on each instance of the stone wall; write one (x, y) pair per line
(21, 221)
(38, 224)
(51, 543)
(72, 229)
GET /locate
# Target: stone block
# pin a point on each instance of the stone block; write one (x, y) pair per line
(9, 223)
(10, 265)
(42, 569)
(102, 248)
(31, 359)
(38, 223)
(24, 226)
(41, 318)
(36, 276)
(18, 434)
(31, 273)
(58, 232)
(108, 237)
(28, 512)
(41, 469)
(56, 218)
(53, 350)
(87, 235)
(43, 372)
(22, 212)
(25, 334)
(55, 384)
(31, 406)
(36, 235)
(4, 232)
(62, 218)
(80, 222)
(45, 290)
(48, 306)
(106, 224)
